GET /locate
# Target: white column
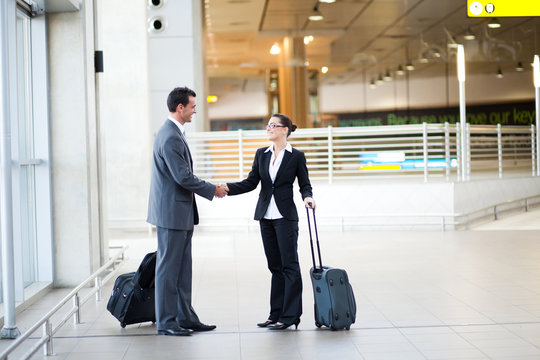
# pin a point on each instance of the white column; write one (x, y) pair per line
(536, 68)
(462, 114)
(176, 57)
(125, 111)
(7, 74)
(74, 145)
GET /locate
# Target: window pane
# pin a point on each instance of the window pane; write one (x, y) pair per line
(26, 149)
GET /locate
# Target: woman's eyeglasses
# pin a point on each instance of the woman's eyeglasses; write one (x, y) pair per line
(272, 125)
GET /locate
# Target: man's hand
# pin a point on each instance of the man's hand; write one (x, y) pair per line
(309, 202)
(221, 190)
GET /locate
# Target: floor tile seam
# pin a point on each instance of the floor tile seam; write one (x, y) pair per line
(519, 336)
(453, 329)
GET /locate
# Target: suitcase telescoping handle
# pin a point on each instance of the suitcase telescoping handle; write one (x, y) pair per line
(316, 238)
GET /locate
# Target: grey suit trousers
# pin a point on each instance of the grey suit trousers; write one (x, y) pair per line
(173, 279)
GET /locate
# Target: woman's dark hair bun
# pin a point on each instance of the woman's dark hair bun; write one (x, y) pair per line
(293, 127)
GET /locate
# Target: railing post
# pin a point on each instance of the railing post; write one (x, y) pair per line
(425, 152)
(533, 149)
(458, 152)
(240, 154)
(77, 314)
(330, 155)
(47, 333)
(468, 150)
(97, 285)
(447, 149)
(499, 150)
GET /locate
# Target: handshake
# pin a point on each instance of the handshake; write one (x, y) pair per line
(221, 190)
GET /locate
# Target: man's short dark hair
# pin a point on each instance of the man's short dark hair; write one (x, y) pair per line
(179, 95)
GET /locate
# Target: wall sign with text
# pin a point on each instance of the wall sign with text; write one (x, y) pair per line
(503, 8)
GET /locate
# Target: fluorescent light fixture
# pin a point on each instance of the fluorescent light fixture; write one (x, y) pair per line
(327, 1)
(387, 76)
(536, 71)
(469, 35)
(400, 70)
(519, 66)
(324, 69)
(380, 80)
(372, 84)
(461, 63)
(499, 74)
(275, 49)
(409, 66)
(494, 23)
(316, 14)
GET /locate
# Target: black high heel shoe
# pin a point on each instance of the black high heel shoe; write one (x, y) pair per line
(266, 323)
(282, 326)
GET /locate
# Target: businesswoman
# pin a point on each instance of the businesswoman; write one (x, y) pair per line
(276, 167)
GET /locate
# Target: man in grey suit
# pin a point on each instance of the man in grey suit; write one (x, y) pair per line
(173, 210)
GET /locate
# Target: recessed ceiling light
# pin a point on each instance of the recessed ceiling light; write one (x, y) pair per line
(494, 23)
(275, 49)
(469, 35)
(315, 14)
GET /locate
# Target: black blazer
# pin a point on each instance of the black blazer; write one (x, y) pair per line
(292, 166)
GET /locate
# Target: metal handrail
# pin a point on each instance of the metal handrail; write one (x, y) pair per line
(337, 152)
(48, 330)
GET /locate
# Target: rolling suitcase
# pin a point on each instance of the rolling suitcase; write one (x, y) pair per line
(335, 306)
(133, 297)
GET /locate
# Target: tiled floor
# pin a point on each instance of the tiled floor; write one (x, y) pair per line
(420, 295)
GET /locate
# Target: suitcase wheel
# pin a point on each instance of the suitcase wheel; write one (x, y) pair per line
(123, 325)
(317, 324)
(348, 327)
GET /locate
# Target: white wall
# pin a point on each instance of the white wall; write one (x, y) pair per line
(125, 110)
(240, 103)
(73, 146)
(358, 97)
(425, 92)
(176, 58)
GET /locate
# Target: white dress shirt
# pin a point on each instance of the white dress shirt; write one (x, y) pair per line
(272, 212)
(180, 126)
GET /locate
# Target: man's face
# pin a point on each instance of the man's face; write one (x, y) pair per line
(186, 112)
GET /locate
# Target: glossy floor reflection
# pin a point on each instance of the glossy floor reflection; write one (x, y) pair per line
(420, 295)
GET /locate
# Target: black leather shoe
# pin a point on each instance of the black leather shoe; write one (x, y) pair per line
(283, 326)
(201, 327)
(266, 323)
(176, 332)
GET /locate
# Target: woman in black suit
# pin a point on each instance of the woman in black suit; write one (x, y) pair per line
(276, 167)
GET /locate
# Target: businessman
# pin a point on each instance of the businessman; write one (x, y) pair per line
(173, 210)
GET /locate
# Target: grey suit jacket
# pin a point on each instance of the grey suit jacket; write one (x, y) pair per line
(172, 202)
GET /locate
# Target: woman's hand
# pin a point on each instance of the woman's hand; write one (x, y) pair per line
(309, 202)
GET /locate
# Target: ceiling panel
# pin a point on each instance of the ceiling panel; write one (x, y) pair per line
(359, 37)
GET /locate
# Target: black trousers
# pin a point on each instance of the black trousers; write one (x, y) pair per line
(280, 240)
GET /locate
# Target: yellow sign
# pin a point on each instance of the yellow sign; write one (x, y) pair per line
(503, 8)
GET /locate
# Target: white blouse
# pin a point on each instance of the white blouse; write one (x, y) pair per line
(272, 212)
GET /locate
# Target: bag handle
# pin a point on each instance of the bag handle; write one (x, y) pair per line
(316, 238)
